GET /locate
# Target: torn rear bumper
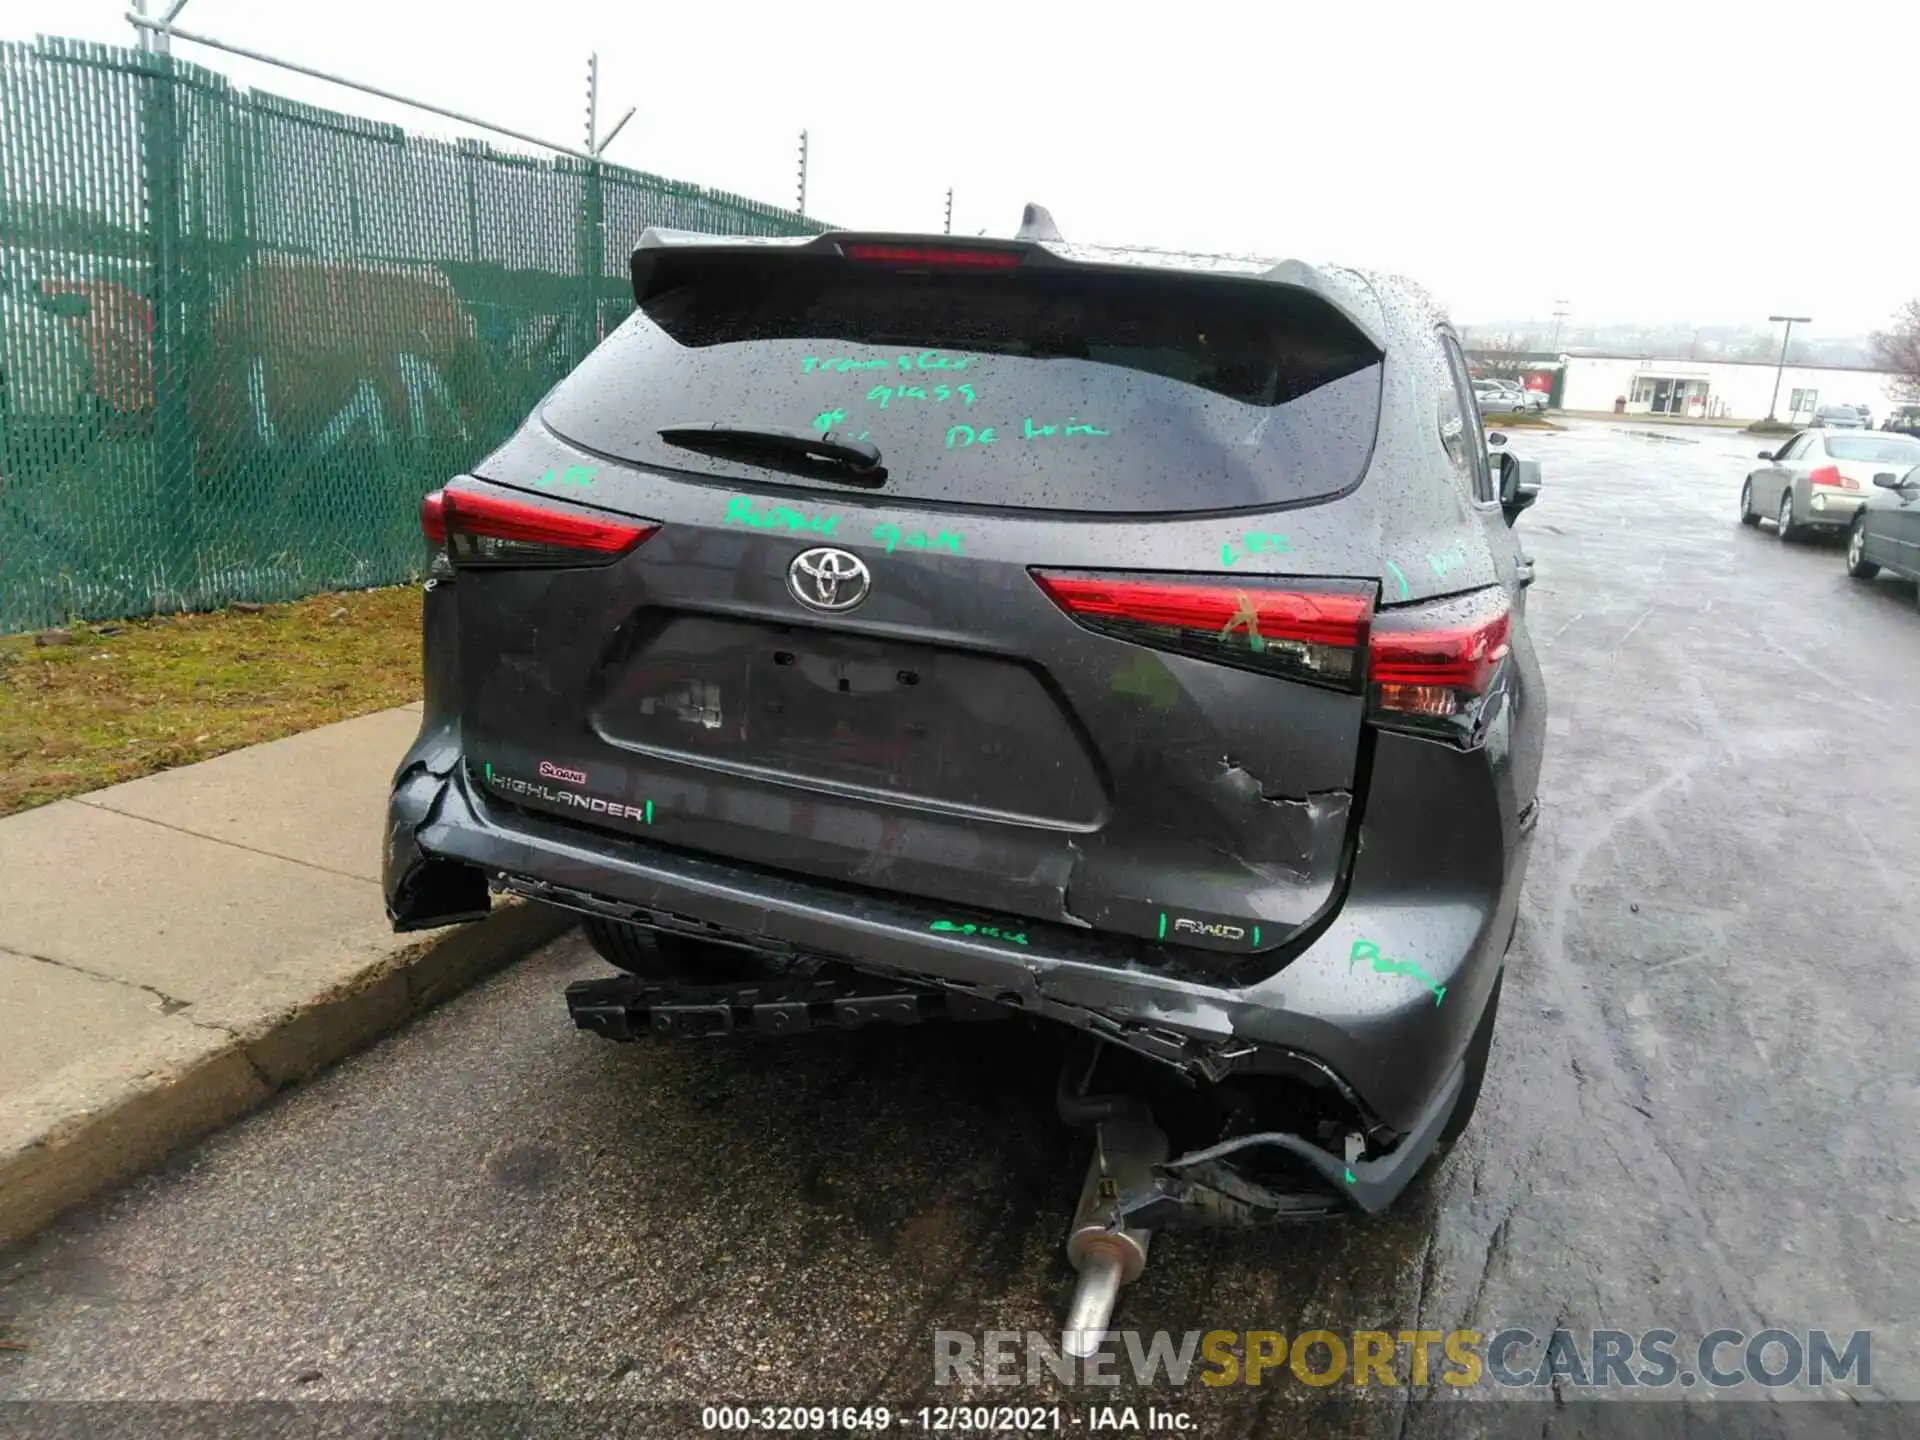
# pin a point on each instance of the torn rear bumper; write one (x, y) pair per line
(1200, 1190)
(1378, 1004)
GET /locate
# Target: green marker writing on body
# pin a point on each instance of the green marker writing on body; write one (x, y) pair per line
(1400, 575)
(1412, 969)
(581, 475)
(987, 932)
(918, 540)
(740, 511)
(1255, 542)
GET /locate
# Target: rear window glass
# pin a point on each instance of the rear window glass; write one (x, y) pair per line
(1043, 388)
(1891, 450)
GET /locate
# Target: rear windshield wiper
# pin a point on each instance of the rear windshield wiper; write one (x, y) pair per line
(830, 455)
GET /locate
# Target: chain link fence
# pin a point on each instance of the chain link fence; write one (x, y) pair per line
(241, 337)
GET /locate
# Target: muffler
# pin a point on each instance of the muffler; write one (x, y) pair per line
(1099, 1245)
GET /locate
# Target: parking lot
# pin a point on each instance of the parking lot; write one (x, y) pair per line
(1700, 1110)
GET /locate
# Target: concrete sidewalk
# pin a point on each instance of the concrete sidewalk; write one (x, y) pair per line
(176, 949)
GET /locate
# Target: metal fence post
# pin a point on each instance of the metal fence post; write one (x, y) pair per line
(172, 428)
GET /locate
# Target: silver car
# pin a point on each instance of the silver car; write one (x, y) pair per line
(1500, 396)
(1819, 478)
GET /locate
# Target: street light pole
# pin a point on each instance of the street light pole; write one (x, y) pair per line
(1773, 405)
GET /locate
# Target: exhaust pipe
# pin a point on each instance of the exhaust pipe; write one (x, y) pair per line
(1106, 1253)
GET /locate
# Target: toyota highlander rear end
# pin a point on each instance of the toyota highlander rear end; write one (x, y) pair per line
(1067, 632)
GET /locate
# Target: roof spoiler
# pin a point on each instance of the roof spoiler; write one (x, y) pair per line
(1037, 241)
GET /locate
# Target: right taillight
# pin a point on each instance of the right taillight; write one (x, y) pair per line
(1431, 666)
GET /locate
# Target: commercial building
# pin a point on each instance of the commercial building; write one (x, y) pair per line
(1696, 389)
(1714, 389)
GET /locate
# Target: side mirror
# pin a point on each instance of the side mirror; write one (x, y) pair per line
(1496, 439)
(1519, 486)
(1887, 480)
(1766, 454)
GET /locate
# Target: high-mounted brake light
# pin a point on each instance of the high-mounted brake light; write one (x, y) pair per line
(945, 255)
(1830, 476)
(1306, 630)
(1436, 663)
(483, 529)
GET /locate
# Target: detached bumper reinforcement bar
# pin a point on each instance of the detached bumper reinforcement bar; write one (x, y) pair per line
(1202, 1189)
(626, 1007)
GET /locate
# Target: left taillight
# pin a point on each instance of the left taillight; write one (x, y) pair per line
(491, 530)
(1309, 631)
(1432, 666)
(1830, 477)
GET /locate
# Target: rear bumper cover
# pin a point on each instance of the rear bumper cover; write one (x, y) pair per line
(1380, 1002)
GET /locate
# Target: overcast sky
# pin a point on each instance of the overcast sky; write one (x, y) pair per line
(1703, 161)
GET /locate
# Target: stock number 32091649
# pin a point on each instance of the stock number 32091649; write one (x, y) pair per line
(759, 1418)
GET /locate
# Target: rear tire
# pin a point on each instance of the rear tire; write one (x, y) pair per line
(1788, 530)
(1858, 565)
(653, 955)
(1747, 517)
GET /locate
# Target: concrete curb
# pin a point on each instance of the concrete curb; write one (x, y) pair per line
(107, 1122)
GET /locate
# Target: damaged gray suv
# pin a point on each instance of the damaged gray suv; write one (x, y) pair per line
(894, 628)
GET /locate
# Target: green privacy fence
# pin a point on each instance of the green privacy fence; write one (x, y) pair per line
(240, 337)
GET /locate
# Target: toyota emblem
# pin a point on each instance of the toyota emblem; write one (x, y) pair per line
(827, 579)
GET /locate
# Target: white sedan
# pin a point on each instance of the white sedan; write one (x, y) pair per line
(1819, 478)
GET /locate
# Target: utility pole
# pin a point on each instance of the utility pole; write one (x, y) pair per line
(949, 210)
(1559, 314)
(801, 206)
(156, 40)
(1779, 369)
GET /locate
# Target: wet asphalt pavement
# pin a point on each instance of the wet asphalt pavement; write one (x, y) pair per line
(1700, 1109)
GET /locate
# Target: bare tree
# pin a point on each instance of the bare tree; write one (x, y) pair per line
(1506, 342)
(1897, 350)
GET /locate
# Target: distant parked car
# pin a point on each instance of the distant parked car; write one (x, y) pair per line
(1816, 481)
(1885, 533)
(1904, 420)
(1496, 396)
(1866, 417)
(1837, 417)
